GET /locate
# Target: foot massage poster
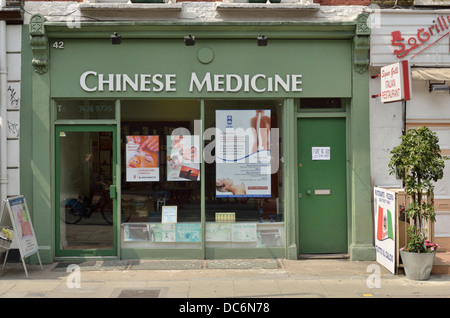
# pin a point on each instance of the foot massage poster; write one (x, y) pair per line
(183, 158)
(142, 158)
(384, 213)
(243, 153)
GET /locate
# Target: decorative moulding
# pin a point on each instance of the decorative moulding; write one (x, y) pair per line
(306, 6)
(130, 7)
(39, 44)
(361, 44)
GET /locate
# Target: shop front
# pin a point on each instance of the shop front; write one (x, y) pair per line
(219, 146)
(419, 37)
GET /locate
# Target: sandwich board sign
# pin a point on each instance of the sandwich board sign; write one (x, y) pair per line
(384, 210)
(15, 215)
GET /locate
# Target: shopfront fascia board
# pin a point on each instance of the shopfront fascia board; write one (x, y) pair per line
(285, 39)
(168, 69)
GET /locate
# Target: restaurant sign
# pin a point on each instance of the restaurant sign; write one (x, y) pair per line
(395, 82)
(425, 37)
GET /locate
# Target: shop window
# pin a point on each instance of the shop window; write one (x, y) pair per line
(243, 179)
(320, 103)
(161, 174)
(243, 202)
(83, 109)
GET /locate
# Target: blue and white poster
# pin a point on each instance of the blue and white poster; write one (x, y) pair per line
(243, 153)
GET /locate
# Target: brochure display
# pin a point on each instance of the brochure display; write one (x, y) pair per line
(16, 225)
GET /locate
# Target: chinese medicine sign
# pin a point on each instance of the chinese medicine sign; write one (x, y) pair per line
(395, 82)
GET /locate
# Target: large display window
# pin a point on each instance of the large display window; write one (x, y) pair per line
(243, 186)
(162, 154)
(160, 174)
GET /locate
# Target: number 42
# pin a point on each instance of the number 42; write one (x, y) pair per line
(58, 45)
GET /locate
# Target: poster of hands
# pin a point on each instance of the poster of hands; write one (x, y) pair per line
(142, 157)
(183, 158)
(243, 153)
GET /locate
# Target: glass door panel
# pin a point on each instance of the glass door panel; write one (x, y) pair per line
(85, 157)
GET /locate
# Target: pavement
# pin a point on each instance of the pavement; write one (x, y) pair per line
(255, 280)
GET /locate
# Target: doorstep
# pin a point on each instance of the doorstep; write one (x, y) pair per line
(441, 263)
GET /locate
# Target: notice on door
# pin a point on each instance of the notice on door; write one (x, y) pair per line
(320, 153)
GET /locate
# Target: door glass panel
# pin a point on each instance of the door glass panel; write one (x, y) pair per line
(85, 175)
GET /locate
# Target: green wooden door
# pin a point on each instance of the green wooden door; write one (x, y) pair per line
(322, 197)
(86, 218)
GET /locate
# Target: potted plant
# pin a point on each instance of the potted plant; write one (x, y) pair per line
(419, 163)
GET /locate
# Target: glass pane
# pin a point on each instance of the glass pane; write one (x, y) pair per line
(161, 174)
(85, 174)
(244, 188)
(320, 103)
(82, 109)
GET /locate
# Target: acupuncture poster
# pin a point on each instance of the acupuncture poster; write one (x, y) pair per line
(243, 153)
(142, 157)
(183, 158)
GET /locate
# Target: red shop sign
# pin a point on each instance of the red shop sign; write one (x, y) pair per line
(427, 36)
(395, 82)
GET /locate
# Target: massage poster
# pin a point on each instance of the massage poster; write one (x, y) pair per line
(183, 158)
(384, 209)
(243, 153)
(142, 158)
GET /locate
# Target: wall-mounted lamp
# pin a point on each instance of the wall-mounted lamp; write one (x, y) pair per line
(262, 40)
(439, 88)
(189, 40)
(116, 38)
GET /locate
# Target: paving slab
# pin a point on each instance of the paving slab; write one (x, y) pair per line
(217, 279)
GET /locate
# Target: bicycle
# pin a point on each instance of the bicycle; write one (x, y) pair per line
(76, 209)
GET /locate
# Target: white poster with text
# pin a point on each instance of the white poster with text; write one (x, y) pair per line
(243, 153)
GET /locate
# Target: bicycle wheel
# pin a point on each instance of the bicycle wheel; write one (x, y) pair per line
(125, 215)
(73, 211)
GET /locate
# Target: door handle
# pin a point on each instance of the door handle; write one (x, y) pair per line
(308, 192)
(112, 191)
